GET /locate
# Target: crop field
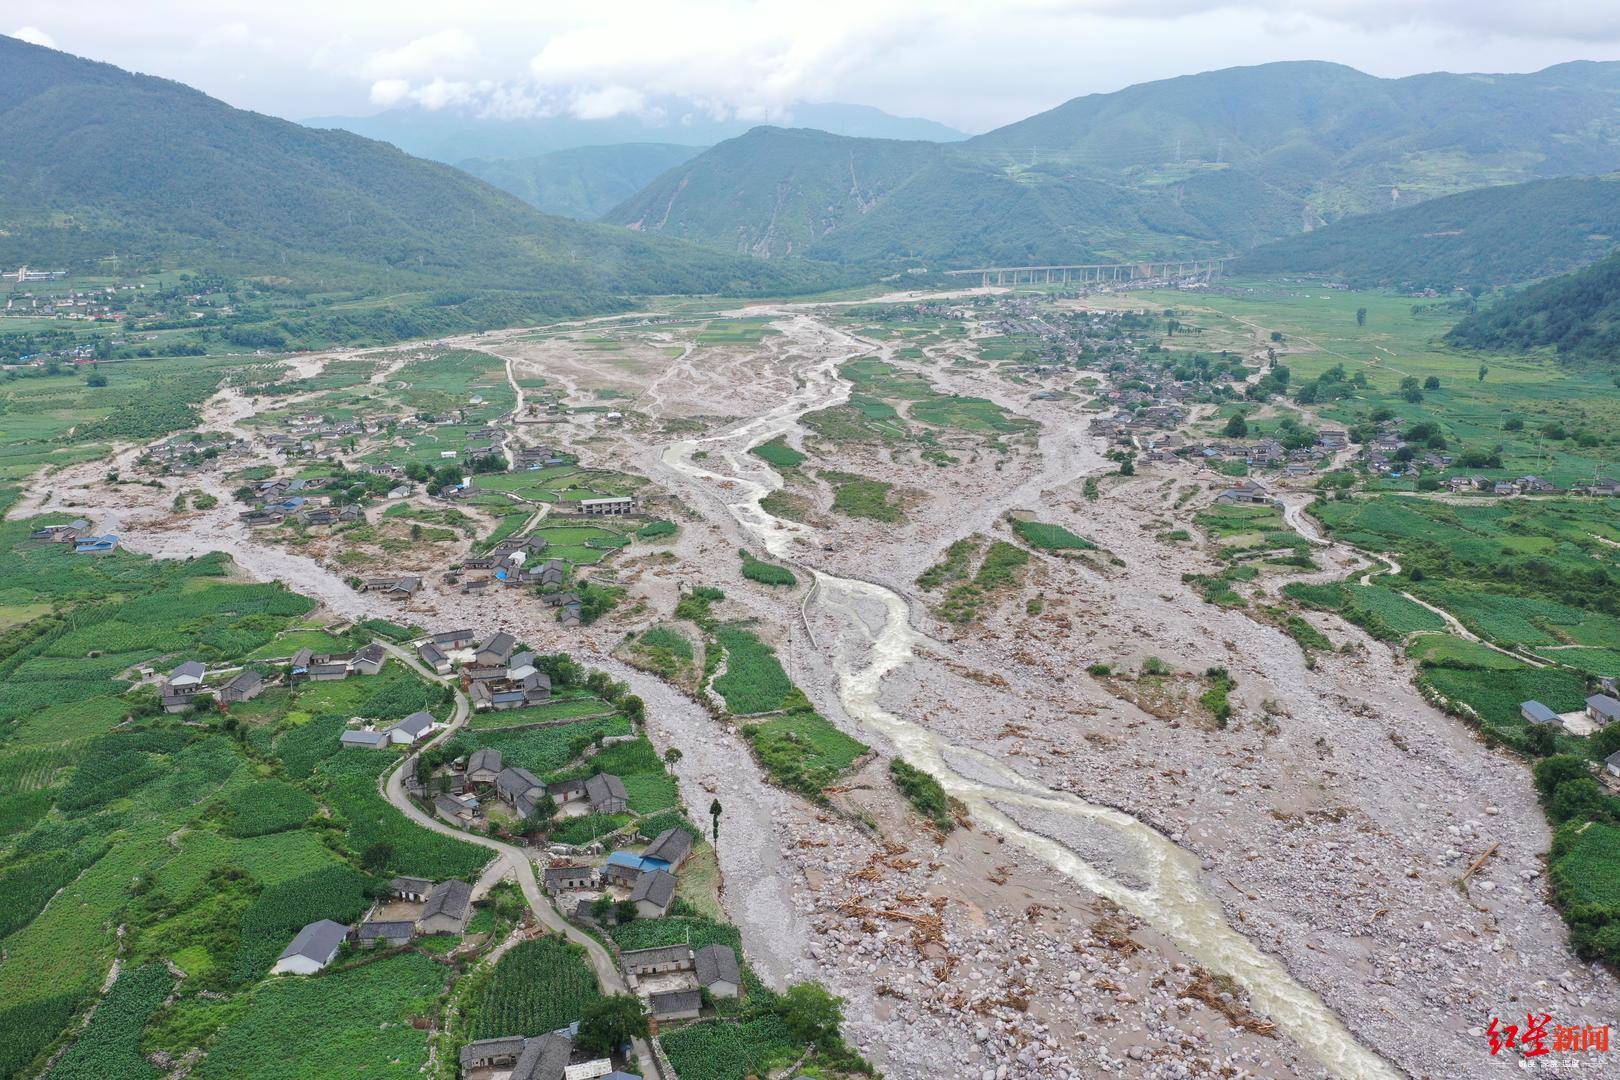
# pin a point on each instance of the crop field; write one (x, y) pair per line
(735, 332)
(803, 750)
(766, 573)
(110, 1045)
(647, 783)
(1589, 871)
(779, 454)
(348, 781)
(447, 384)
(552, 712)
(1378, 609)
(862, 497)
(731, 1050)
(545, 750)
(538, 986)
(1495, 695)
(1049, 537)
(351, 1022)
(753, 681)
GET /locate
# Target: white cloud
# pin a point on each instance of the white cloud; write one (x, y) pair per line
(607, 102)
(429, 55)
(389, 92)
(34, 36)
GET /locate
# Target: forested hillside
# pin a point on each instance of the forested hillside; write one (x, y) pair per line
(582, 183)
(1216, 162)
(1577, 314)
(101, 164)
(1494, 236)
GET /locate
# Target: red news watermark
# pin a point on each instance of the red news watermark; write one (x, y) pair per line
(1540, 1035)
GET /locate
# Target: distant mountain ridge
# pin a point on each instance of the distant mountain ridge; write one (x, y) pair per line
(1488, 237)
(582, 183)
(1202, 164)
(103, 163)
(453, 135)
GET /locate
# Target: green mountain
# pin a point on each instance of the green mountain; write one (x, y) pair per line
(1577, 314)
(582, 183)
(1216, 162)
(1490, 237)
(101, 164)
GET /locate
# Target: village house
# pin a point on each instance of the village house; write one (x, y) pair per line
(247, 685)
(364, 740)
(560, 879)
(484, 766)
(653, 894)
(389, 933)
(369, 660)
(717, 970)
(676, 1005)
(395, 588)
(1602, 709)
(497, 650)
(433, 658)
(453, 639)
(1611, 764)
(668, 850)
(61, 534)
(447, 909)
(1535, 712)
(1247, 493)
(312, 949)
(658, 960)
(188, 674)
(610, 506)
(412, 728)
(458, 812)
(405, 887)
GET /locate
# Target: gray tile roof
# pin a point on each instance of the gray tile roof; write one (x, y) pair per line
(1604, 705)
(193, 668)
(1537, 713)
(368, 739)
(416, 723)
(717, 963)
(656, 887)
(474, 1053)
(318, 941)
(486, 758)
(452, 898)
(544, 1058)
(387, 930)
(671, 845)
(675, 1002)
(656, 956)
(604, 787)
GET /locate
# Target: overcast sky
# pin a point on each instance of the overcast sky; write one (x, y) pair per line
(973, 64)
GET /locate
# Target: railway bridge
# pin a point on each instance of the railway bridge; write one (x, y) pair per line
(1096, 273)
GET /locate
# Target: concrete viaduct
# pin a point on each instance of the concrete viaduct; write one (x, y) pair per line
(1095, 273)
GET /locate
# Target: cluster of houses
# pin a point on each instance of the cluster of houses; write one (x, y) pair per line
(78, 533)
(432, 908)
(178, 691)
(486, 773)
(412, 729)
(494, 674)
(541, 1057)
(1530, 485)
(512, 562)
(188, 454)
(1599, 711)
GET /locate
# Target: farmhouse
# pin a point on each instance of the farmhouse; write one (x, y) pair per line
(447, 910)
(177, 699)
(410, 888)
(364, 740)
(1611, 764)
(1536, 713)
(434, 658)
(717, 971)
(543, 1058)
(312, 949)
(484, 766)
(453, 639)
(618, 504)
(491, 1053)
(453, 810)
(676, 1005)
(497, 650)
(1603, 709)
(188, 674)
(561, 879)
(369, 660)
(513, 784)
(668, 850)
(388, 933)
(657, 961)
(95, 545)
(245, 687)
(1247, 493)
(653, 894)
(412, 728)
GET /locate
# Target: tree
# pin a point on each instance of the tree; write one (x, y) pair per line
(1361, 316)
(1554, 771)
(625, 911)
(610, 1022)
(375, 858)
(1432, 383)
(1580, 799)
(811, 1013)
(1483, 371)
(601, 908)
(1127, 467)
(673, 754)
(1237, 426)
(539, 819)
(714, 812)
(634, 709)
(96, 379)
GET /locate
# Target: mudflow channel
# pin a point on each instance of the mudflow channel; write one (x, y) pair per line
(1165, 890)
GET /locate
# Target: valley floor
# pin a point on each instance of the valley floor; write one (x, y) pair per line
(1138, 890)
